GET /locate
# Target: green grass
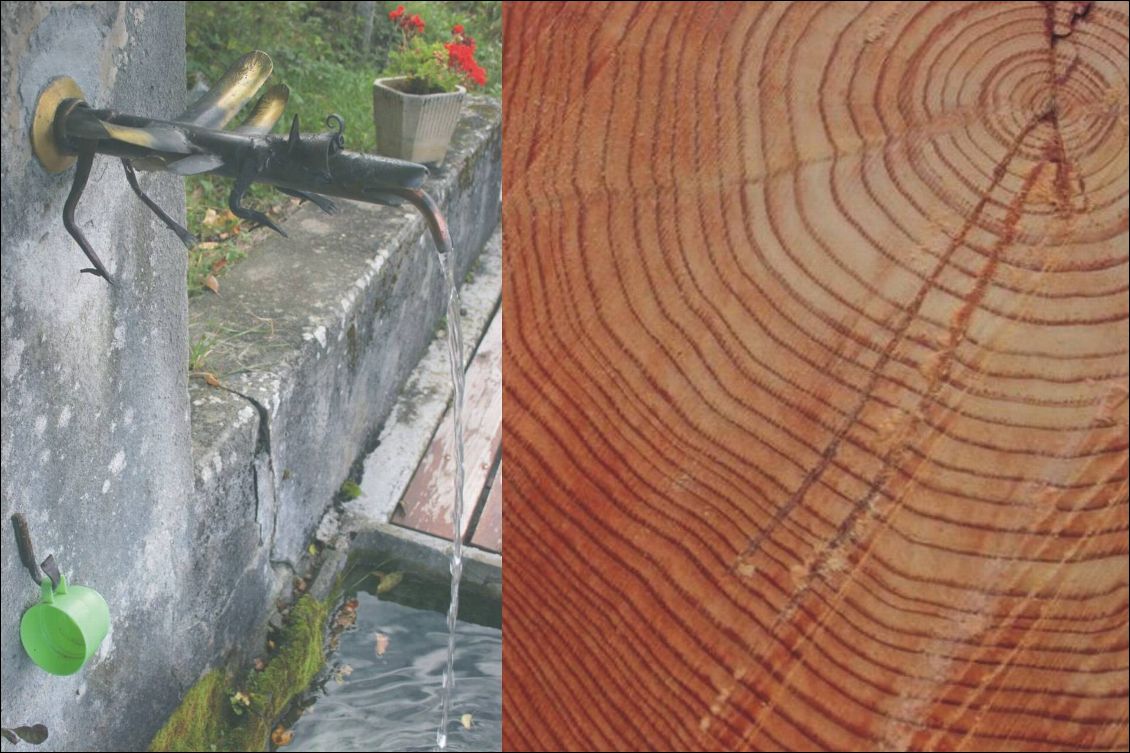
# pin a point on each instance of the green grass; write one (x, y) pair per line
(318, 53)
(220, 242)
(199, 350)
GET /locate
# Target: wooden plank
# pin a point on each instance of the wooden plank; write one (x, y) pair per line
(816, 371)
(428, 500)
(488, 531)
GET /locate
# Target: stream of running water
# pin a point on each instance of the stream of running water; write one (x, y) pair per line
(455, 359)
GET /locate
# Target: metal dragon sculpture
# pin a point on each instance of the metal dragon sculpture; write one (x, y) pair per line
(66, 129)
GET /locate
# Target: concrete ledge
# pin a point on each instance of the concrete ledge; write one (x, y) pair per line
(430, 554)
(420, 409)
(313, 337)
(408, 432)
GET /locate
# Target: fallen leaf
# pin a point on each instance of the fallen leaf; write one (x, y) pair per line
(466, 720)
(282, 736)
(270, 645)
(347, 615)
(300, 585)
(312, 549)
(382, 643)
(219, 264)
(212, 284)
(341, 673)
(35, 734)
(211, 379)
(389, 582)
(211, 218)
(240, 702)
(260, 665)
(207, 245)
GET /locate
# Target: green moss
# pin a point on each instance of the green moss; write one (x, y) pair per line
(295, 665)
(202, 718)
(467, 175)
(350, 490)
(205, 720)
(352, 348)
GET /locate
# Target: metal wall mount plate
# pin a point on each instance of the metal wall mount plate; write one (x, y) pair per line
(44, 144)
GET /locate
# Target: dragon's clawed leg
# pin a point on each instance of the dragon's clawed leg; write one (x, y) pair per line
(186, 237)
(82, 174)
(323, 202)
(247, 173)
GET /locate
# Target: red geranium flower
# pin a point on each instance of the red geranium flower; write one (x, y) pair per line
(395, 14)
(457, 29)
(462, 58)
(416, 21)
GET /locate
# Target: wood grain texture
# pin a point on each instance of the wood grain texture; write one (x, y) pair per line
(815, 376)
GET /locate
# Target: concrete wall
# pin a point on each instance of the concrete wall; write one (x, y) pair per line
(189, 522)
(96, 447)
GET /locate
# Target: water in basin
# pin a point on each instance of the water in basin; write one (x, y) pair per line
(382, 689)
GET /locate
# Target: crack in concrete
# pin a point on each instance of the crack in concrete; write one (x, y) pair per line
(262, 452)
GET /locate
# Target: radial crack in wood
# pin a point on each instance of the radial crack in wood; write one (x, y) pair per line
(815, 424)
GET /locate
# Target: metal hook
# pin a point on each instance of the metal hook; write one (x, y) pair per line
(27, 553)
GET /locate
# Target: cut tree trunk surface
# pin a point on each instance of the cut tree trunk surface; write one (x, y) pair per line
(816, 376)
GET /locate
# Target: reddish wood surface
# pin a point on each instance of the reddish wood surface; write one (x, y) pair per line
(488, 531)
(816, 376)
(427, 502)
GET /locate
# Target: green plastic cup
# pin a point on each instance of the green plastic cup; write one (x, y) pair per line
(65, 628)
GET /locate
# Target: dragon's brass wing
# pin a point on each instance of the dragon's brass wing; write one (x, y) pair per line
(266, 112)
(260, 121)
(234, 89)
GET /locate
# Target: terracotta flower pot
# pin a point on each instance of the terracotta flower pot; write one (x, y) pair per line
(415, 127)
